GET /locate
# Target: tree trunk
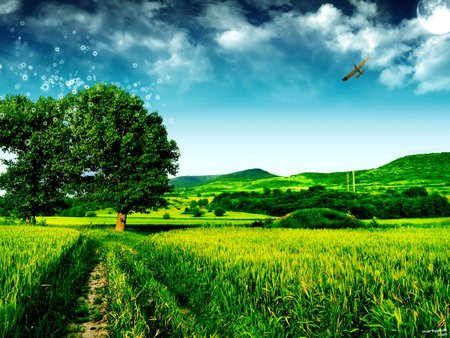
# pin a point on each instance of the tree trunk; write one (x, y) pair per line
(121, 221)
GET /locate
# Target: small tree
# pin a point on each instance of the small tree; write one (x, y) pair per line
(219, 212)
(123, 150)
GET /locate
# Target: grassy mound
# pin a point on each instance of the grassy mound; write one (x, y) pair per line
(318, 218)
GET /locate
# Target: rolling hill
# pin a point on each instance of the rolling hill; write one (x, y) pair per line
(184, 182)
(428, 170)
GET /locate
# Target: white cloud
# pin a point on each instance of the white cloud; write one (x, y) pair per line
(432, 65)
(234, 33)
(185, 63)
(9, 6)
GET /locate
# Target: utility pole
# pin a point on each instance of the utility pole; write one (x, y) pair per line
(348, 181)
(354, 186)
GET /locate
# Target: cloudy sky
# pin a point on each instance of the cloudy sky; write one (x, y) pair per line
(247, 84)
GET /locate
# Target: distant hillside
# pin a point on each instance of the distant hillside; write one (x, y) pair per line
(240, 176)
(428, 170)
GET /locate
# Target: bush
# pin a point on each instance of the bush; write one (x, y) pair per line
(91, 214)
(416, 192)
(318, 218)
(219, 212)
(166, 216)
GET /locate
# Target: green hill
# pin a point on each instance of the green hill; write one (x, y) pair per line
(184, 182)
(427, 170)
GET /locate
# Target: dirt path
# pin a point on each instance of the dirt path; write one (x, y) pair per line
(94, 324)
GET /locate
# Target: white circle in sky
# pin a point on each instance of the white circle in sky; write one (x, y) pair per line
(434, 15)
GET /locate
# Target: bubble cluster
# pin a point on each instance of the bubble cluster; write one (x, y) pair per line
(73, 63)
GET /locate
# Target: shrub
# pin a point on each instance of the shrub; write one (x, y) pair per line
(91, 214)
(318, 218)
(219, 212)
(166, 216)
(416, 192)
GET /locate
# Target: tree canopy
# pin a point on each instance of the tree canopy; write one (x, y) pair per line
(35, 134)
(123, 150)
(99, 143)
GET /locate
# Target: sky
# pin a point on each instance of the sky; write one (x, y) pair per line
(247, 84)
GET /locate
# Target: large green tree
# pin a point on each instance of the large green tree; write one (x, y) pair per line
(123, 150)
(35, 134)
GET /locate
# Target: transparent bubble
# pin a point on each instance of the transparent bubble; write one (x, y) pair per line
(148, 97)
(33, 110)
(2, 116)
(45, 86)
(61, 62)
(60, 96)
(54, 64)
(12, 30)
(45, 123)
(83, 47)
(91, 104)
(51, 81)
(30, 67)
(22, 23)
(1, 98)
(57, 49)
(86, 87)
(89, 78)
(27, 142)
(27, 94)
(94, 53)
(159, 81)
(74, 91)
(43, 77)
(133, 95)
(74, 32)
(157, 97)
(25, 43)
(93, 68)
(25, 77)
(135, 85)
(135, 65)
(17, 86)
(22, 65)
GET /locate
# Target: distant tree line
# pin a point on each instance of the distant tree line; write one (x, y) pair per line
(412, 202)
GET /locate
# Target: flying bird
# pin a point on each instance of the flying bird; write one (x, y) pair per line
(357, 69)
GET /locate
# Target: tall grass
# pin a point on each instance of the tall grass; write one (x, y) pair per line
(139, 306)
(40, 270)
(293, 283)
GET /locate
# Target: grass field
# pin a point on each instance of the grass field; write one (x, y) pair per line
(107, 217)
(38, 269)
(237, 282)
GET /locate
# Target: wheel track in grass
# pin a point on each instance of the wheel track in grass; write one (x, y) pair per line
(95, 324)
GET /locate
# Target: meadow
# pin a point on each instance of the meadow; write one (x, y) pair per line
(234, 281)
(38, 269)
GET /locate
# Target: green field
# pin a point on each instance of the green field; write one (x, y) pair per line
(233, 282)
(38, 269)
(156, 218)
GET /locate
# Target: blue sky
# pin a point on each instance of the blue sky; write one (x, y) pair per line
(247, 84)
